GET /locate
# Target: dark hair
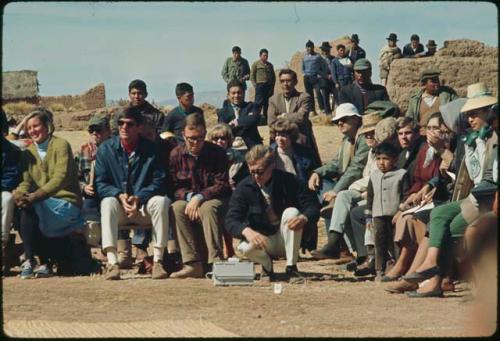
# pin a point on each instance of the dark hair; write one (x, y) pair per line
(139, 85)
(437, 115)
(340, 46)
(284, 125)
(386, 148)
(195, 121)
(263, 51)
(288, 72)
(236, 49)
(310, 44)
(133, 113)
(182, 88)
(234, 83)
(407, 121)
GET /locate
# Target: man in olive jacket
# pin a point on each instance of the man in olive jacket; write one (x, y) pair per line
(427, 100)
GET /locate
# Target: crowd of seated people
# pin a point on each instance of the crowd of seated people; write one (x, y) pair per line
(403, 192)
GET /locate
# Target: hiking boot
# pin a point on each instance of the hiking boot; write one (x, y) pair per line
(43, 271)
(27, 269)
(124, 248)
(158, 271)
(293, 274)
(112, 272)
(190, 270)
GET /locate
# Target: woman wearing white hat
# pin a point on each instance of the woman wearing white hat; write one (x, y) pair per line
(454, 217)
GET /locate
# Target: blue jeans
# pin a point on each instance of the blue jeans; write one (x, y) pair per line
(58, 217)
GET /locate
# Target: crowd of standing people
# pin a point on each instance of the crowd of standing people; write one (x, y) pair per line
(403, 191)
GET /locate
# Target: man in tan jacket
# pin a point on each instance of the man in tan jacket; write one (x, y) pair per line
(295, 106)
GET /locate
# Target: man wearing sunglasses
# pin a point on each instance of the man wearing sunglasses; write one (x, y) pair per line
(200, 176)
(130, 181)
(428, 99)
(268, 211)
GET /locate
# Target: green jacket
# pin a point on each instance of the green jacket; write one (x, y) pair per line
(235, 70)
(354, 170)
(57, 175)
(262, 73)
(446, 94)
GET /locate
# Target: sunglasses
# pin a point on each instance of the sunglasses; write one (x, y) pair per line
(96, 130)
(217, 138)
(127, 123)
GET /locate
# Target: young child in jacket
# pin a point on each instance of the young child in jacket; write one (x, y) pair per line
(386, 189)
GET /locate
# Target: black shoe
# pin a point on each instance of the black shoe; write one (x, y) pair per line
(367, 268)
(293, 274)
(417, 277)
(267, 276)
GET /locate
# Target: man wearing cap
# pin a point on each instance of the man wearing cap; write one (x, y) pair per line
(427, 100)
(263, 79)
(153, 118)
(355, 52)
(347, 165)
(236, 68)
(362, 91)
(326, 84)
(314, 70)
(294, 106)
(387, 54)
(349, 197)
(174, 120)
(414, 49)
(130, 181)
(341, 71)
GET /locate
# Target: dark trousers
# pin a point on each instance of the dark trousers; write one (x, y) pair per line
(311, 85)
(35, 243)
(262, 92)
(342, 83)
(384, 244)
(357, 218)
(326, 90)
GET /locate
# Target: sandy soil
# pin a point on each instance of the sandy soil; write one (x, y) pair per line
(331, 303)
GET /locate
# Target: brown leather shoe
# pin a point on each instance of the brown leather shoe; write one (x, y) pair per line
(158, 271)
(401, 287)
(112, 272)
(192, 270)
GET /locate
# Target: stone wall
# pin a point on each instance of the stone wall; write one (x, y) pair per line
(91, 99)
(461, 62)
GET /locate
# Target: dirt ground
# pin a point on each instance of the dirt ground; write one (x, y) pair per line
(331, 303)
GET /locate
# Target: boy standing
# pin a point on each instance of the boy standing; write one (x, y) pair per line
(385, 191)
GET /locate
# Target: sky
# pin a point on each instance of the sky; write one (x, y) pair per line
(75, 45)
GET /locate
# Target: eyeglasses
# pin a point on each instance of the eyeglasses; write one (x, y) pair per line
(193, 139)
(127, 123)
(217, 138)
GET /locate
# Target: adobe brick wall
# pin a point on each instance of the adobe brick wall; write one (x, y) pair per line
(91, 99)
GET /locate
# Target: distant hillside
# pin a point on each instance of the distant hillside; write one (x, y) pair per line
(212, 97)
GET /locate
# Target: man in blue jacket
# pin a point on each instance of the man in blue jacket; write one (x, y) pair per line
(130, 181)
(268, 211)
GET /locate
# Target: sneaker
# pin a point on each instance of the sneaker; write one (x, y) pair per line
(43, 271)
(27, 270)
(293, 274)
(158, 271)
(112, 272)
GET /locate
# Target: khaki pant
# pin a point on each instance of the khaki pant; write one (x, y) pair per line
(190, 237)
(285, 243)
(155, 214)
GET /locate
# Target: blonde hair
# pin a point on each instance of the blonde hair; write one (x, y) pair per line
(260, 152)
(45, 116)
(221, 129)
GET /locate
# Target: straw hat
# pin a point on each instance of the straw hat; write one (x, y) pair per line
(370, 122)
(478, 96)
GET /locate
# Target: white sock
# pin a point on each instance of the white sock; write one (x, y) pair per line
(112, 255)
(158, 253)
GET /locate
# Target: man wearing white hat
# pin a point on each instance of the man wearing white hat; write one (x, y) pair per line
(481, 148)
(347, 166)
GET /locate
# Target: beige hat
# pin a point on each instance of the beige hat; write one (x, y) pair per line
(478, 96)
(386, 129)
(167, 135)
(370, 122)
(239, 143)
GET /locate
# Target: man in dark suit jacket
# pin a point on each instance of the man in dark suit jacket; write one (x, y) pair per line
(414, 49)
(362, 91)
(269, 211)
(240, 115)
